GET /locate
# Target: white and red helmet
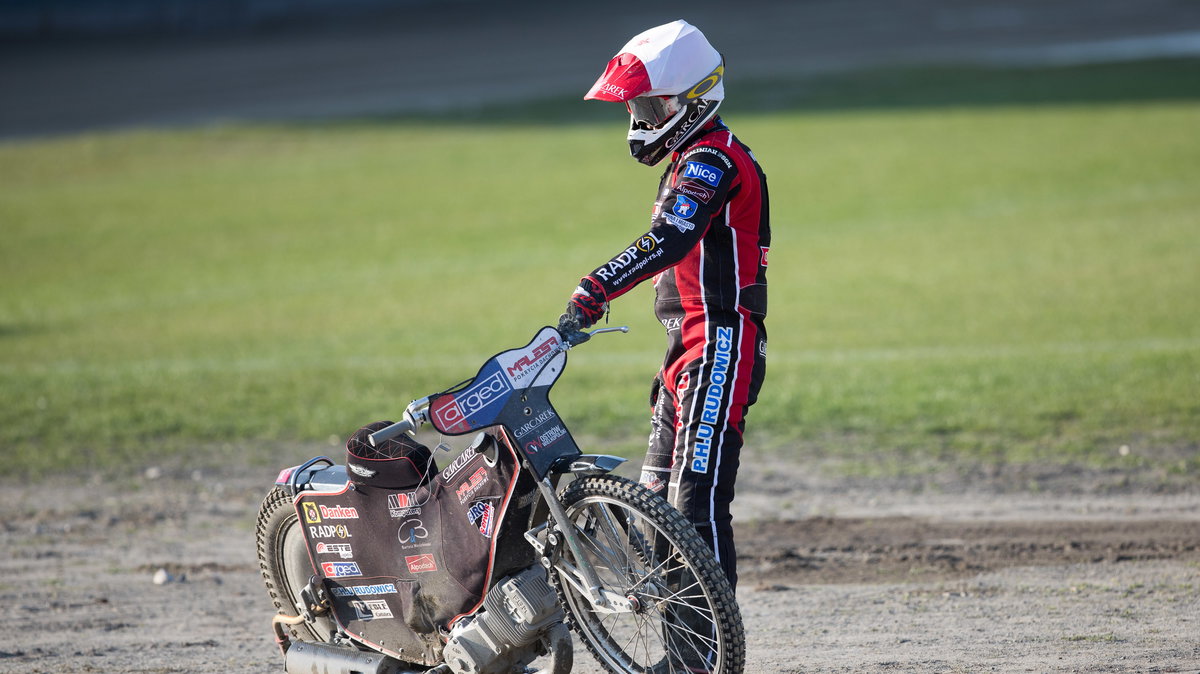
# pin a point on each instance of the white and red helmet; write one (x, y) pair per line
(671, 80)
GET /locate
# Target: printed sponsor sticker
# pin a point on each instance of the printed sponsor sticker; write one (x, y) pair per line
(471, 485)
(311, 514)
(363, 590)
(482, 515)
(527, 363)
(453, 412)
(340, 569)
(403, 504)
(371, 609)
(421, 563)
(459, 463)
(411, 533)
(340, 549)
(328, 531)
(338, 512)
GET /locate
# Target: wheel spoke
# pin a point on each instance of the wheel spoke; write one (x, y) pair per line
(674, 621)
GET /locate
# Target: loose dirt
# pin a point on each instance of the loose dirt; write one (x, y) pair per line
(837, 575)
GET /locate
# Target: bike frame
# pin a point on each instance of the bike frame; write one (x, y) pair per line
(511, 390)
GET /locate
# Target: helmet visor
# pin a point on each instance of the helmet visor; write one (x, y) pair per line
(651, 112)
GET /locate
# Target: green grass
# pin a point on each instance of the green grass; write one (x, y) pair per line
(1000, 282)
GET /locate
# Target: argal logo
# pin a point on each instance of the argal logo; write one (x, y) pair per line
(454, 411)
(340, 569)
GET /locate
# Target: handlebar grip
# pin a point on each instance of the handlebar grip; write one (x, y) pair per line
(383, 435)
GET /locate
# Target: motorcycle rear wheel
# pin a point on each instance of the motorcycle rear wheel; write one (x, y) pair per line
(682, 614)
(283, 561)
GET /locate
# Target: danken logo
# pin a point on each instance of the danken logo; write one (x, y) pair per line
(708, 174)
(339, 513)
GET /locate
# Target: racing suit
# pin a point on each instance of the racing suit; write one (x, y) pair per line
(707, 253)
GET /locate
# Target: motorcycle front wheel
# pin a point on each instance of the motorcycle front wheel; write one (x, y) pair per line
(676, 612)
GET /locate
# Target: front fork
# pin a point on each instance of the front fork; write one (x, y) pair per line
(582, 575)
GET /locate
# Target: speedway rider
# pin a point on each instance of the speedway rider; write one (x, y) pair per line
(707, 253)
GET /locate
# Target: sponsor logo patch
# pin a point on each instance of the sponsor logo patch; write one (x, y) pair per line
(684, 207)
(371, 609)
(328, 531)
(363, 590)
(471, 485)
(421, 563)
(454, 412)
(703, 172)
(680, 224)
(524, 365)
(619, 92)
(403, 504)
(482, 515)
(697, 190)
(340, 549)
(311, 514)
(340, 569)
(361, 471)
(338, 512)
(461, 461)
(763, 250)
(411, 533)
(529, 427)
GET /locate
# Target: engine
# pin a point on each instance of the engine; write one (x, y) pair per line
(516, 613)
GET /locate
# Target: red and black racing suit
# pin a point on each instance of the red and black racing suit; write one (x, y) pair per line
(707, 252)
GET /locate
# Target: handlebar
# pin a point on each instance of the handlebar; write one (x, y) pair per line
(383, 435)
(417, 411)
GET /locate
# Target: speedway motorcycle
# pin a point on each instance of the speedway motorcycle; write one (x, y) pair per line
(389, 565)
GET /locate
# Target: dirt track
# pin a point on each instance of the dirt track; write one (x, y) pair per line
(980, 581)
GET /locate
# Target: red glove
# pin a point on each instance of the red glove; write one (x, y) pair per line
(588, 303)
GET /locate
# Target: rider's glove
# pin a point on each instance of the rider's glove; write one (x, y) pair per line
(587, 305)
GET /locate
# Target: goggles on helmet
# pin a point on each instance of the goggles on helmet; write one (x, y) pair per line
(651, 112)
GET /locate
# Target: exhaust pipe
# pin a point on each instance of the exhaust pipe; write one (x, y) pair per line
(307, 657)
